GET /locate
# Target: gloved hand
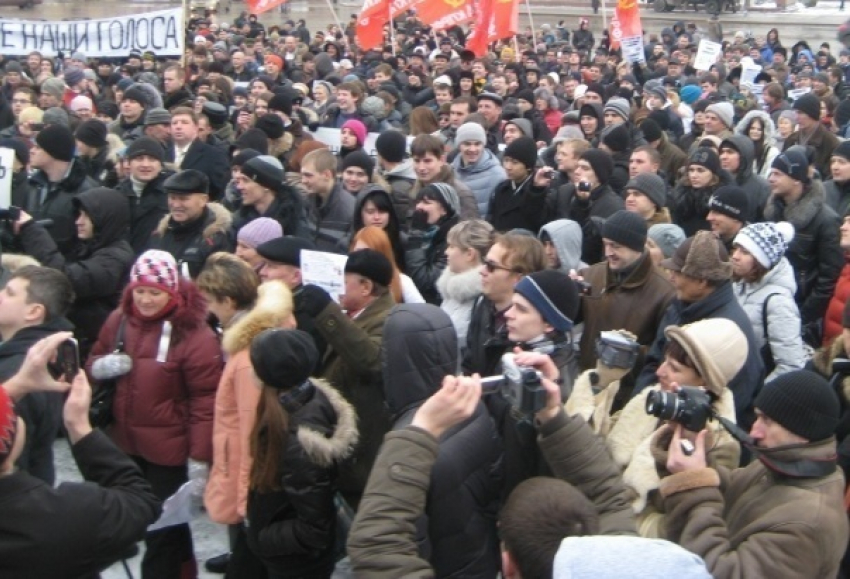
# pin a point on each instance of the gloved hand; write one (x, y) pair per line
(199, 472)
(606, 374)
(312, 300)
(419, 221)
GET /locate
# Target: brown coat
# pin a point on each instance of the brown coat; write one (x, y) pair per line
(822, 141)
(758, 522)
(637, 305)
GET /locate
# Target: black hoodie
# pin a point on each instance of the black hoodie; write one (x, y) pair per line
(420, 348)
(97, 267)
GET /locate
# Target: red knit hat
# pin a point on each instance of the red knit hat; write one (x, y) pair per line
(358, 128)
(155, 268)
(8, 425)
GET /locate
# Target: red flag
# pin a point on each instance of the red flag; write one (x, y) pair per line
(463, 14)
(505, 17)
(260, 6)
(370, 25)
(479, 39)
(437, 11)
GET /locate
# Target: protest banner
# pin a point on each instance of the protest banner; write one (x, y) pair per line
(7, 158)
(331, 137)
(260, 6)
(326, 270)
(707, 54)
(625, 23)
(161, 32)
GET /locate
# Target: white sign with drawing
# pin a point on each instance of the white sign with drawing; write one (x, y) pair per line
(326, 270)
(707, 54)
(7, 158)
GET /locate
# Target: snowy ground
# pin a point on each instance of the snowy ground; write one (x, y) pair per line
(210, 538)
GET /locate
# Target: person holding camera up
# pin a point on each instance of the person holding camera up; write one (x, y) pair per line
(781, 515)
(519, 201)
(704, 355)
(76, 529)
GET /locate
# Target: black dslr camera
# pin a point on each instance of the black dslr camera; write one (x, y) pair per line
(519, 385)
(690, 407)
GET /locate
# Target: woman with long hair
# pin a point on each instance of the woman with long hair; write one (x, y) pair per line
(423, 121)
(759, 127)
(765, 286)
(375, 207)
(703, 176)
(402, 287)
(303, 428)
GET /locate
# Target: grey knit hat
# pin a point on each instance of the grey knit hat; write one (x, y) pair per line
(724, 111)
(444, 194)
(157, 116)
(667, 236)
(650, 185)
(470, 132)
(620, 106)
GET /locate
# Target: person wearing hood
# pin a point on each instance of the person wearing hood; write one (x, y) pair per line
(194, 228)
(516, 128)
(591, 120)
(815, 252)
(561, 240)
(476, 166)
(161, 321)
(304, 430)
(705, 355)
(437, 211)
(260, 183)
(396, 168)
(464, 483)
(615, 140)
(625, 291)
(57, 179)
(98, 264)
(99, 151)
(703, 176)
(737, 156)
(460, 283)
(759, 127)
(764, 285)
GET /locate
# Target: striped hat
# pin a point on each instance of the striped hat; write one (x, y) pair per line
(155, 268)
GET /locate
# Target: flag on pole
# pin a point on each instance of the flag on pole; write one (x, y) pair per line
(375, 15)
(625, 23)
(506, 17)
(496, 19)
(444, 13)
(260, 6)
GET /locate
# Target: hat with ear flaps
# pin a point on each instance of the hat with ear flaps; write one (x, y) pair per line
(701, 257)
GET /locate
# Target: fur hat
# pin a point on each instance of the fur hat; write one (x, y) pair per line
(283, 359)
(155, 268)
(701, 257)
(767, 242)
(717, 347)
(554, 295)
(802, 402)
(371, 264)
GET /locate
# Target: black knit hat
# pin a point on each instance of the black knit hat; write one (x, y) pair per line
(186, 182)
(146, 146)
(802, 402)
(253, 139)
(651, 130)
(370, 264)
(650, 185)
(92, 133)
(134, 93)
(553, 294)
(616, 138)
(626, 228)
(731, 200)
(285, 250)
(57, 141)
(359, 158)
(271, 125)
(843, 148)
(707, 158)
(601, 163)
(809, 105)
(391, 146)
(524, 150)
(283, 359)
(794, 164)
(264, 170)
(282, 103)
(216, 113)
(243, 157)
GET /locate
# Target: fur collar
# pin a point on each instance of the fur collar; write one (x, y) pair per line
(801, 212)
(822, 361)
(460, 287)
(273, 308)
(324, 450)
(220, 223)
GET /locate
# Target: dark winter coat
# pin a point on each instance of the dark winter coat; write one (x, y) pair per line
(146, 210)
(837, 196)
(40, 411)
(292, 530)
(823, 142)
(757, 188)
(589, 214)
(514, 207)
(689, 205)
(210, 160)
(721, 303)
(287, 209)
(77, 529)
(97, 268)
(463, 495)
(426, 259)
(814, 253)
(486, 340)
(330, 221)
(54, 201)
(164, 410)
(192, 243)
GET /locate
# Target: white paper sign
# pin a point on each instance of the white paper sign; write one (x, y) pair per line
(749, 74)
(331, 137)
(161, 32)
(324, 269)
(633, 49)
(707, 54)
(7, 158)
(177, 509)
(796, 93)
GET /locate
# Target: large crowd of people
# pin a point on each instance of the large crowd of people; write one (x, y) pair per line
(591, 323)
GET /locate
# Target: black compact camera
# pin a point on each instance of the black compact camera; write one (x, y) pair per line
(616, 351)
(690, 407)
(10, 214)
(519, 385)
(584, 187)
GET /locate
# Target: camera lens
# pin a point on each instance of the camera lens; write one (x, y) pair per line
(664, 405)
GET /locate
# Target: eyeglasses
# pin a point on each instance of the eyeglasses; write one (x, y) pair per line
(492, 266)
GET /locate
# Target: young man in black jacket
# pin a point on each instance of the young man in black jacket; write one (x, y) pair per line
(75, 530)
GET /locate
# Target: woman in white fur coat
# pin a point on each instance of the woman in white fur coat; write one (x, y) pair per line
(707, 354)
(460, 283)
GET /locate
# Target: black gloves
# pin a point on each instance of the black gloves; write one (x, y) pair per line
(419, 221)
(312, 300)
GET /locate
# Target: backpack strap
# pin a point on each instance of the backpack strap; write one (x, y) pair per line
(119, 337)
(764, 317)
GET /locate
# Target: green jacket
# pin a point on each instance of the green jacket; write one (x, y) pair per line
(382, 541)
(352, 365)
